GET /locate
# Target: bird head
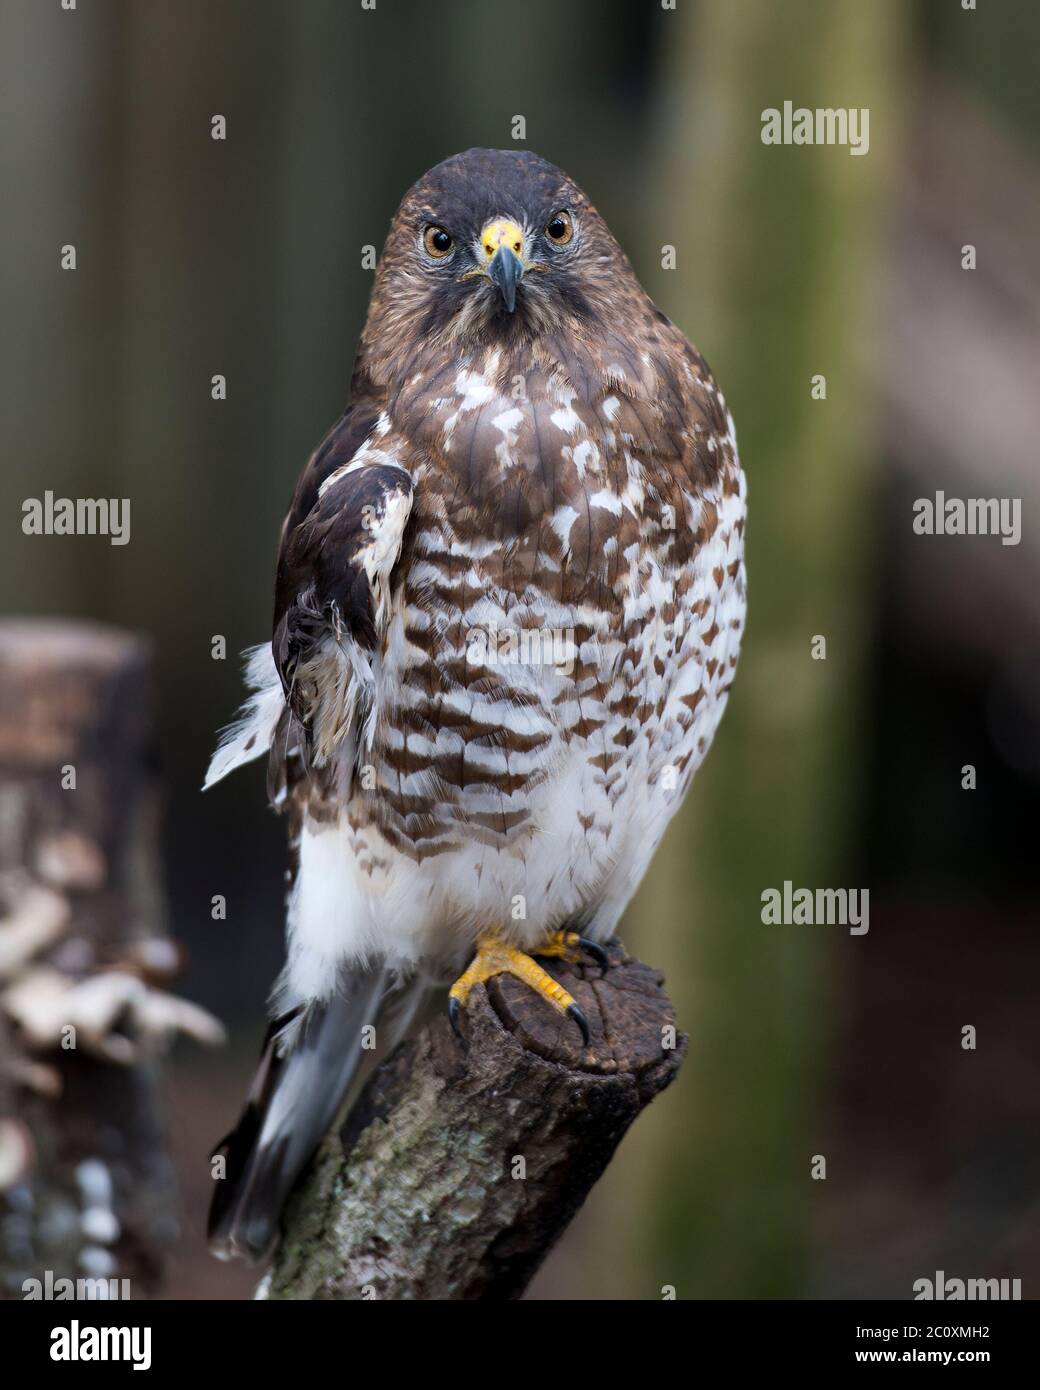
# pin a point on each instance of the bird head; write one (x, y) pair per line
(495, 245)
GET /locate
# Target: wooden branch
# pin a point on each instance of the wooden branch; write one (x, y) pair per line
(463, 1162)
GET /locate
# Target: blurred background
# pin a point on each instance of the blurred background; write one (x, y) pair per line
(243, 258)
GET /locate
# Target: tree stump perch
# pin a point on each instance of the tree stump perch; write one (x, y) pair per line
(463, 1161)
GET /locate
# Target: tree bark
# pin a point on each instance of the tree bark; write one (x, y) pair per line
(464, 1160)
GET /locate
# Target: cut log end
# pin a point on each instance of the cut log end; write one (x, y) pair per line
(631, 1020)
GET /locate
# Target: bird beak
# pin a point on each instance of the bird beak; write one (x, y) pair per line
(502, 244)
(506, 271)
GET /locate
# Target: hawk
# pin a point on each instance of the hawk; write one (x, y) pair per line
(509, 600)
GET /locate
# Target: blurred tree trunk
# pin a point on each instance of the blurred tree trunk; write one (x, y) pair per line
(81, 925)
(725, 1202)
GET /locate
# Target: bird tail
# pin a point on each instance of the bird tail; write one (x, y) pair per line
(307, 1064)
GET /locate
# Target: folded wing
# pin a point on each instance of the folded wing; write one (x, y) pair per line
(340, 544)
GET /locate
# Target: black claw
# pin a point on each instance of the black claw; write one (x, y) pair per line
(453, 1016)
(580, 1020)
(595, 950)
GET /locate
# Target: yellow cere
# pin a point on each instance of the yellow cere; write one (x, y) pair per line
(502, 232)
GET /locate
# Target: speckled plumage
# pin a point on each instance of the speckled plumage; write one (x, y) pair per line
(565, 476)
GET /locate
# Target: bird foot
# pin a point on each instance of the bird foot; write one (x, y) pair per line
(494, 957)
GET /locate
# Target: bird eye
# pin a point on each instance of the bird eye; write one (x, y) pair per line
(559, 228)
(438, 242)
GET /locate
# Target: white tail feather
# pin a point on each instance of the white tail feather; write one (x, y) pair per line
(251, 734)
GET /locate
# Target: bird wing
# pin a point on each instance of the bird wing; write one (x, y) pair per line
(340, 544)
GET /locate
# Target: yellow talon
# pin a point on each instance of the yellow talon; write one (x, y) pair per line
(564, 944)
(494, 957)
